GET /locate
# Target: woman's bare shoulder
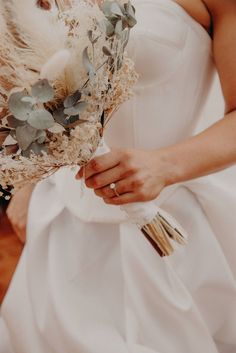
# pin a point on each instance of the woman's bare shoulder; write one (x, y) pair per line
(198, 10)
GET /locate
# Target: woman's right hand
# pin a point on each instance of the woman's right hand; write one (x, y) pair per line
(17, 211)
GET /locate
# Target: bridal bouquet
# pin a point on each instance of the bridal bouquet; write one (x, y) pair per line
(63, 73)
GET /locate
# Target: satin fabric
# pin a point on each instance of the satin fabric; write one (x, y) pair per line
(88, 281)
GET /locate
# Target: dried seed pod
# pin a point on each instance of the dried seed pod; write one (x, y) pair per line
(44, 4)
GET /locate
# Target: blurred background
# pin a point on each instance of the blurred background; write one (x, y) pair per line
(10, 250)
(11, 247)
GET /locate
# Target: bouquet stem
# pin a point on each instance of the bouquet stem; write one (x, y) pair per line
(160, 233)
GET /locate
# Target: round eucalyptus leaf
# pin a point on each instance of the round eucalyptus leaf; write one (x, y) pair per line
(20, 110)
(41, 119)
(72, 99)
(42, 91)
(76, 109)
(25, 135)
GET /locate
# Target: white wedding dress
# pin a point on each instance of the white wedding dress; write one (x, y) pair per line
(88, 281)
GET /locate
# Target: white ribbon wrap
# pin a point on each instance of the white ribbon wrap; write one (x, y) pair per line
(157, 225)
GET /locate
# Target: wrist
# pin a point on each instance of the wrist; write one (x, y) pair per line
(171, 168)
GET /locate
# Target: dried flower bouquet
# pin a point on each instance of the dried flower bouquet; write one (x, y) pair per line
(62, 75)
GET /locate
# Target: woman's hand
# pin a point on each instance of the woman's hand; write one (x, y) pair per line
(138, 175)
(17, 211)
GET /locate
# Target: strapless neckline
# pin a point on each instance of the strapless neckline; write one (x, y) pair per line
(190, 18)
(187, 18)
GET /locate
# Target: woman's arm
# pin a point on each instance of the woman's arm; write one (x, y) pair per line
(141, 175)
(215, 148)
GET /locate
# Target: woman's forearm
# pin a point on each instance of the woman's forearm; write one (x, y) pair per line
(140, 175)
(210, 151)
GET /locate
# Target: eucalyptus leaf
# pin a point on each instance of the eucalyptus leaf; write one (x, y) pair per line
(43, 91)
(90, 35)
(36, 148)
(106, 8)
(20, 110)
(125, 37)
(41, 136)
(59, 116)
(76, 109)
(131, 21)
(41, 119)
(108, 26)
(119, 28)
(65, 120)
(88, 65)
(72, 99)
(115, 8)
(130, 14)
(25, 135)
(130, 9)
(106, 51)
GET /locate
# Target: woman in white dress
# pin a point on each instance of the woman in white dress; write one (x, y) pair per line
(88, 281)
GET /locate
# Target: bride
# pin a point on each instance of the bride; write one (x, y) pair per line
(88, 281)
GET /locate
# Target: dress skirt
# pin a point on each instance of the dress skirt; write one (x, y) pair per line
(99, 287)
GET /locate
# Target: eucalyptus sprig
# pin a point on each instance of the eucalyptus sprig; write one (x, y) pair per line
(30, 119)
(68, 115)
(118, 17)
(82, 75)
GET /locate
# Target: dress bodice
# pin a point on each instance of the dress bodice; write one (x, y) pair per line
(172, 54)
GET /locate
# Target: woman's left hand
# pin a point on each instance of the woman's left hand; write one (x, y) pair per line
(138, 175)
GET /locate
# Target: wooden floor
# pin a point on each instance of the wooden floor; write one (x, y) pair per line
(10, 250)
